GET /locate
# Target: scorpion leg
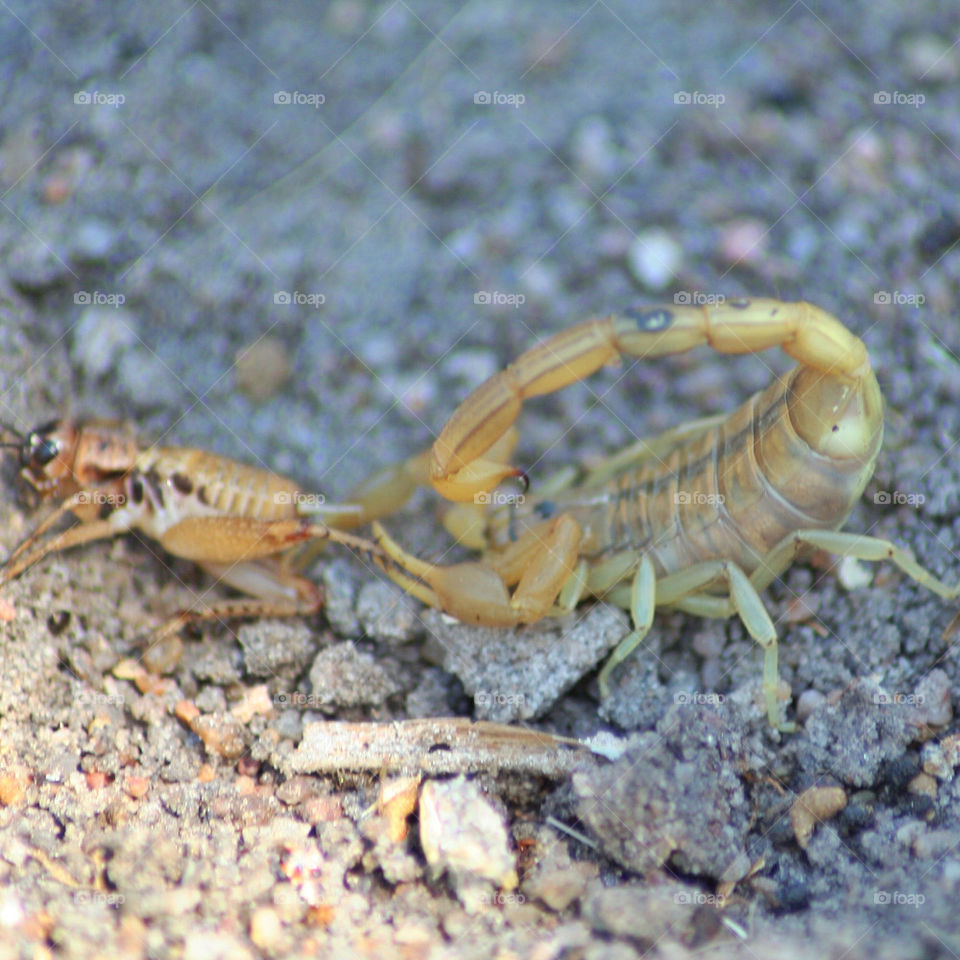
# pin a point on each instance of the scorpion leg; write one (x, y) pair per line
(642, 605)
(462, 465)
(685, 587)
(837, 542)
(387, 490)
(843, 544)
(382, 493)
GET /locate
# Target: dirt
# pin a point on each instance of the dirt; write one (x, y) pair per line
(298, 238)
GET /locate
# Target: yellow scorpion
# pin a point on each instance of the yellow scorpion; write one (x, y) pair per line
(700, 519)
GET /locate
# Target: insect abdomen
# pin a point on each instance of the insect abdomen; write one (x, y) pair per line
(217, 484)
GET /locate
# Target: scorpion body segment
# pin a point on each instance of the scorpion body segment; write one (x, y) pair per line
(701, 518)
(734, 491)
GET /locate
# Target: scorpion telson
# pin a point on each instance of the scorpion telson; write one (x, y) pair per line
(701, 518)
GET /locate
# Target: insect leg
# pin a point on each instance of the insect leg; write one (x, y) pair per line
(230, 539)
(74, 536)
(276, 593)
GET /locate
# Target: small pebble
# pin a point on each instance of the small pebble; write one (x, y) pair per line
(654, 258)
(8, 611)
(342, 676)
(936, 844)
(136, 787)
(323, 809)
(12, 913)
(33, 266)
(923, 785)
(266, 929)
(220, 734)
(146, 381)
(397, 800)
(339, 591)
(97, 779)
(556, 879)
(269, 646)
(941, 759)
(255, 700)
(262, 368)
(290, 724)
(594, 150)
(186, 711)
(387, 613)
(472, 365)
(933, 699)
(852, 574)
(931, 58)
(462, 833)
(12, 789)
(743, 242)
(812, 807)
(92, 242)
(808, 703)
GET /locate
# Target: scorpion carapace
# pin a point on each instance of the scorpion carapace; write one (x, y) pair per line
(700, 519)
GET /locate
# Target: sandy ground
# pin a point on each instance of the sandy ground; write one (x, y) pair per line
(299, 237)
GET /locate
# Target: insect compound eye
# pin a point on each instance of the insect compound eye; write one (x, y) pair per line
(40, 450)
